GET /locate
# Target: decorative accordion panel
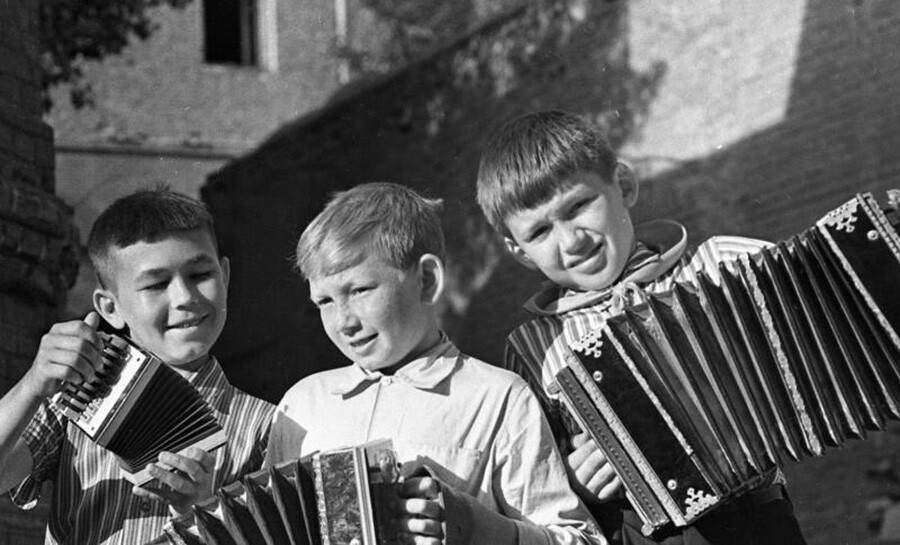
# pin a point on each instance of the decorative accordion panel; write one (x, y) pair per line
(696, 394)
(137, 406)
(337, 497)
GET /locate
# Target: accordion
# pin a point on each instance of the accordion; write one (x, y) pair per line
(137, 406)
(336, 497)
(698, 392)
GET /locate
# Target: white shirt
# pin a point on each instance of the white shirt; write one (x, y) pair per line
(479, 428)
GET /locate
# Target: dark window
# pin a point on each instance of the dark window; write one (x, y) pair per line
(229, 31)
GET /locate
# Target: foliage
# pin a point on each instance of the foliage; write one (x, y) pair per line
(73, 31)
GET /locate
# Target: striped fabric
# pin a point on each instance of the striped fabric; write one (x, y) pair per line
(93, 503)
(536, 349)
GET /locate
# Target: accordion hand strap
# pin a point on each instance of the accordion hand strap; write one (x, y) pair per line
(468, 522)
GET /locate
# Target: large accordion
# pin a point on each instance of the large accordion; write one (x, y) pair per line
(137, 406)
(698, 392)
(335, 497)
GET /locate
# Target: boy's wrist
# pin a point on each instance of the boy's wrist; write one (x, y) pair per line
(468, 522)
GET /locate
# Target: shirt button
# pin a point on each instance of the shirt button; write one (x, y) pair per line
(145, 506)
(386, 381)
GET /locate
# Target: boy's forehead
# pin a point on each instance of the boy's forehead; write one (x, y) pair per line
(172, 248)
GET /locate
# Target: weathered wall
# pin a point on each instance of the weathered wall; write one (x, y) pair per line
(37, 239)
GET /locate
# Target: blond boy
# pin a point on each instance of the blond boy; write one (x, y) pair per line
(374, 261)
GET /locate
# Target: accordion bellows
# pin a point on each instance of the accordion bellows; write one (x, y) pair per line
(137, 406)
(696, 394)
(336, 497)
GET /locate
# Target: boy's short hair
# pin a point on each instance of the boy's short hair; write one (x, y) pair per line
(527, 160)
(393, 221)
(148, 215)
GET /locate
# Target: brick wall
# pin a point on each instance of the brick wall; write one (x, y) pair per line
(37, 239)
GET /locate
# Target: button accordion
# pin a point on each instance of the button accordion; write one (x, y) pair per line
(336, 497)
(696, 393)
(137, 406)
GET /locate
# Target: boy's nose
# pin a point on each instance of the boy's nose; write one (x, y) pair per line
(573, 239)
(348, 321)
(182, 293)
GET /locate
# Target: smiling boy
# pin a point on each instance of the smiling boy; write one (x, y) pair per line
(162, 282)
(373, 259)
(551, 185)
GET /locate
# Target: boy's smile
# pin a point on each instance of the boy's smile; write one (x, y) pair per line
(376, 314)
(171, 294)
(581, 237)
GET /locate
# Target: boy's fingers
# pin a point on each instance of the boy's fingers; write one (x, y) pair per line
(580, 439)
(610, 490)
(419, 507)
(193, 469)
(92, 320)
(419, 487)
(587, 457)
(600, 479)
(414, 539)
(202, 457)
(420, 526)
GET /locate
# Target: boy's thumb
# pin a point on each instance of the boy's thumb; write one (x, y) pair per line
(92, 319)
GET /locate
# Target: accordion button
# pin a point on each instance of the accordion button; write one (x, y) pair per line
(598, 376)
(672, 484)
(872, 235)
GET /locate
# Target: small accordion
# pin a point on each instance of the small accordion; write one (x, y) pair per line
(698, 393)
(137, 406)
(336, 497)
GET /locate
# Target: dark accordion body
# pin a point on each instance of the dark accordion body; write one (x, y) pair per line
(137, 406)
(697, 393)
(337, 497)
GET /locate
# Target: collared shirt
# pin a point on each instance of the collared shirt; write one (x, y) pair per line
(478, 427)
(536, 349)
(92, 501)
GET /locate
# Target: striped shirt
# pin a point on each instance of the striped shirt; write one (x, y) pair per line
(536, 349)
(93, 503)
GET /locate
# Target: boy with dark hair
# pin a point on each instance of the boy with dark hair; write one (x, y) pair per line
(161, 281)
(373, 259)
(552, 186)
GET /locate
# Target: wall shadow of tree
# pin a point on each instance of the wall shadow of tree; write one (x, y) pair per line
(422, 126)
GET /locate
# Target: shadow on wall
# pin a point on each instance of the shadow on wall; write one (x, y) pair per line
(422, 126)
(838, 136)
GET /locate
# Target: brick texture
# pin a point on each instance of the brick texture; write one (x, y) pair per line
(38, 243)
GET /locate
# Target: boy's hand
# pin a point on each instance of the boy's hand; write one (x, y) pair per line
(589, 467)
(189, 484)
(418, 513)
(69, 352)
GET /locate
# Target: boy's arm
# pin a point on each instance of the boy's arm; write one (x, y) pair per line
(69, 352)
(531, 482)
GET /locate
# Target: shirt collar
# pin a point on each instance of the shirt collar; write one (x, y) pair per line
(425, 372)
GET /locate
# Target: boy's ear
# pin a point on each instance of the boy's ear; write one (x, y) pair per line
(225, 265)
(518, 253)
(106, 304)
(628, 183)
(431, 277)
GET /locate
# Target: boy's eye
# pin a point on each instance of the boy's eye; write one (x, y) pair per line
(579, 205)
(322, 302)
(360, 290)
(537, 233)
(156, 286)
(201, 275)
